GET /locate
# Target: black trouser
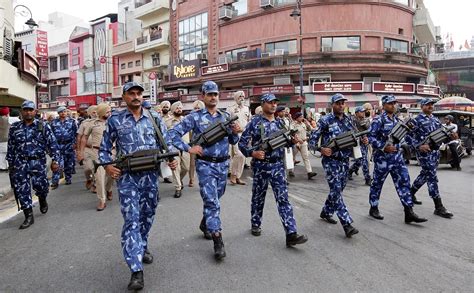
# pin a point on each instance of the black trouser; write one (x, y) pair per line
(454, 154)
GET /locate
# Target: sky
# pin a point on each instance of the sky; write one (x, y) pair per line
(454, 16)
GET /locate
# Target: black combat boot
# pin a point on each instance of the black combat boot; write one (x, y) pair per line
(413, 197)
(29, 219)
(293, 239)
(349, 175)
(43, 204)
(350, 230)
(136, 282)
(368, 181)
(327, 218)
(375, 213)
(147, 257)
(311, 175)
(256, 231)
(440, 210)
(410, 216)
(219, 252)
(177, 194)
(203, 229)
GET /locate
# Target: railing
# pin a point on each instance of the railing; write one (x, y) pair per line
(329, 58)
(156, 36)
(139, 3)
(142, 40)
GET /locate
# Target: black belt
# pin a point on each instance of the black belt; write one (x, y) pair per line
(213, 159)
(270, 160)
(64, 141)
(31, 158)
(339, 159)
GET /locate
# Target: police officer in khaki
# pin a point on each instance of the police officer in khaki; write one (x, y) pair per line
(93, 137)
(182, 169)
(84, 153)
(237, 158)
(303, 127)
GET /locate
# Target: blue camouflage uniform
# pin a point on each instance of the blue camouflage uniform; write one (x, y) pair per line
(423, 126)
(362, 161)
(270, 170)
(385, 163)
(26, 156)
(138, 191)
(336, 166)
(65, 133)
(212, 175)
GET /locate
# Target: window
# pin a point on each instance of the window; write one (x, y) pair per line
(193, 36)
(404, 2)
(155, 32)
(130, 64)
(137, 63)
(123, 66)
(289, 47)
(391, 45)
(63, 62)
(75, 51)
(232, 55)
(340, 43)
(53, 64)
(155, 59)
(240, 7)
(75, 56)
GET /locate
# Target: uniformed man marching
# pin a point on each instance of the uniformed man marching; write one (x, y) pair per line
(85, 154)
(303, 127)
(268, 167)
(424, 124)
(335, 163)
(132, 130)
(64, 129)
(362, 123)
(388, 159)
(92, 138)
(28, 142)
(212, 162)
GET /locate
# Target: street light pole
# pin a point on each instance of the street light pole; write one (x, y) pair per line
(297, 13)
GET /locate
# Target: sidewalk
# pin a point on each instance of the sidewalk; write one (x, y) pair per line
(5, 190)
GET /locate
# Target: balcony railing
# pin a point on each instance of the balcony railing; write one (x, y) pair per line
(142, 40)
(152, 41)
(139, 3)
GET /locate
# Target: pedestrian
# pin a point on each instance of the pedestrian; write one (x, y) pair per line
(197, 105)
(269, 168)
(389, 159)
(362, 123)
(64, 129)
(258, 110)
(240, 110)
(92, 139)
(302, 126)
(132, 130)
(28, 142)
(4, 128)
(428, 157)
(183, 166)
(85, 154)
(453, 144)
(212, 162)
(146, 104)
(83, 115)
(335, 163)
(165, 109)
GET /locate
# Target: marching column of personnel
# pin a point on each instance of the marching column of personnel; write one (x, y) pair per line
(133, 145)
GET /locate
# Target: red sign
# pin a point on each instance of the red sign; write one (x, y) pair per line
(275, 89)
(28, 65)
(102, 59)
(152, 75)
(392, 87)
(229, 95)
(339, 87)
(213, 69)
(189, 98)
(173, 95)
(424, 89)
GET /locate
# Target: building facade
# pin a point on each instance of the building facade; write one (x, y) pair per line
(361, 48)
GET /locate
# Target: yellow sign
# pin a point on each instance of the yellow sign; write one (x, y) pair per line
(181, 71)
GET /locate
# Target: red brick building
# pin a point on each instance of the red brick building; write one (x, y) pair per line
(346, 46)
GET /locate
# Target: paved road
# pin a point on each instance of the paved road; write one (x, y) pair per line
(75, 248)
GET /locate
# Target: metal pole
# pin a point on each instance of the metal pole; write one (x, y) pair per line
(301, 60)
(93, 64)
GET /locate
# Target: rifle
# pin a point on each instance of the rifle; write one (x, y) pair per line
(275, 141)
(398, 133)
(345, 140)
(438, 136)
(145, 160)
(11, 172)
(213, 133)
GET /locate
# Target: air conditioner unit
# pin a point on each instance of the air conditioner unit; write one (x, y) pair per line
(279, 52)
(225, 12)
(266, 55)
(223, 60)
(202, 56)
(326, 49)
(267, 3)
(391, 50)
